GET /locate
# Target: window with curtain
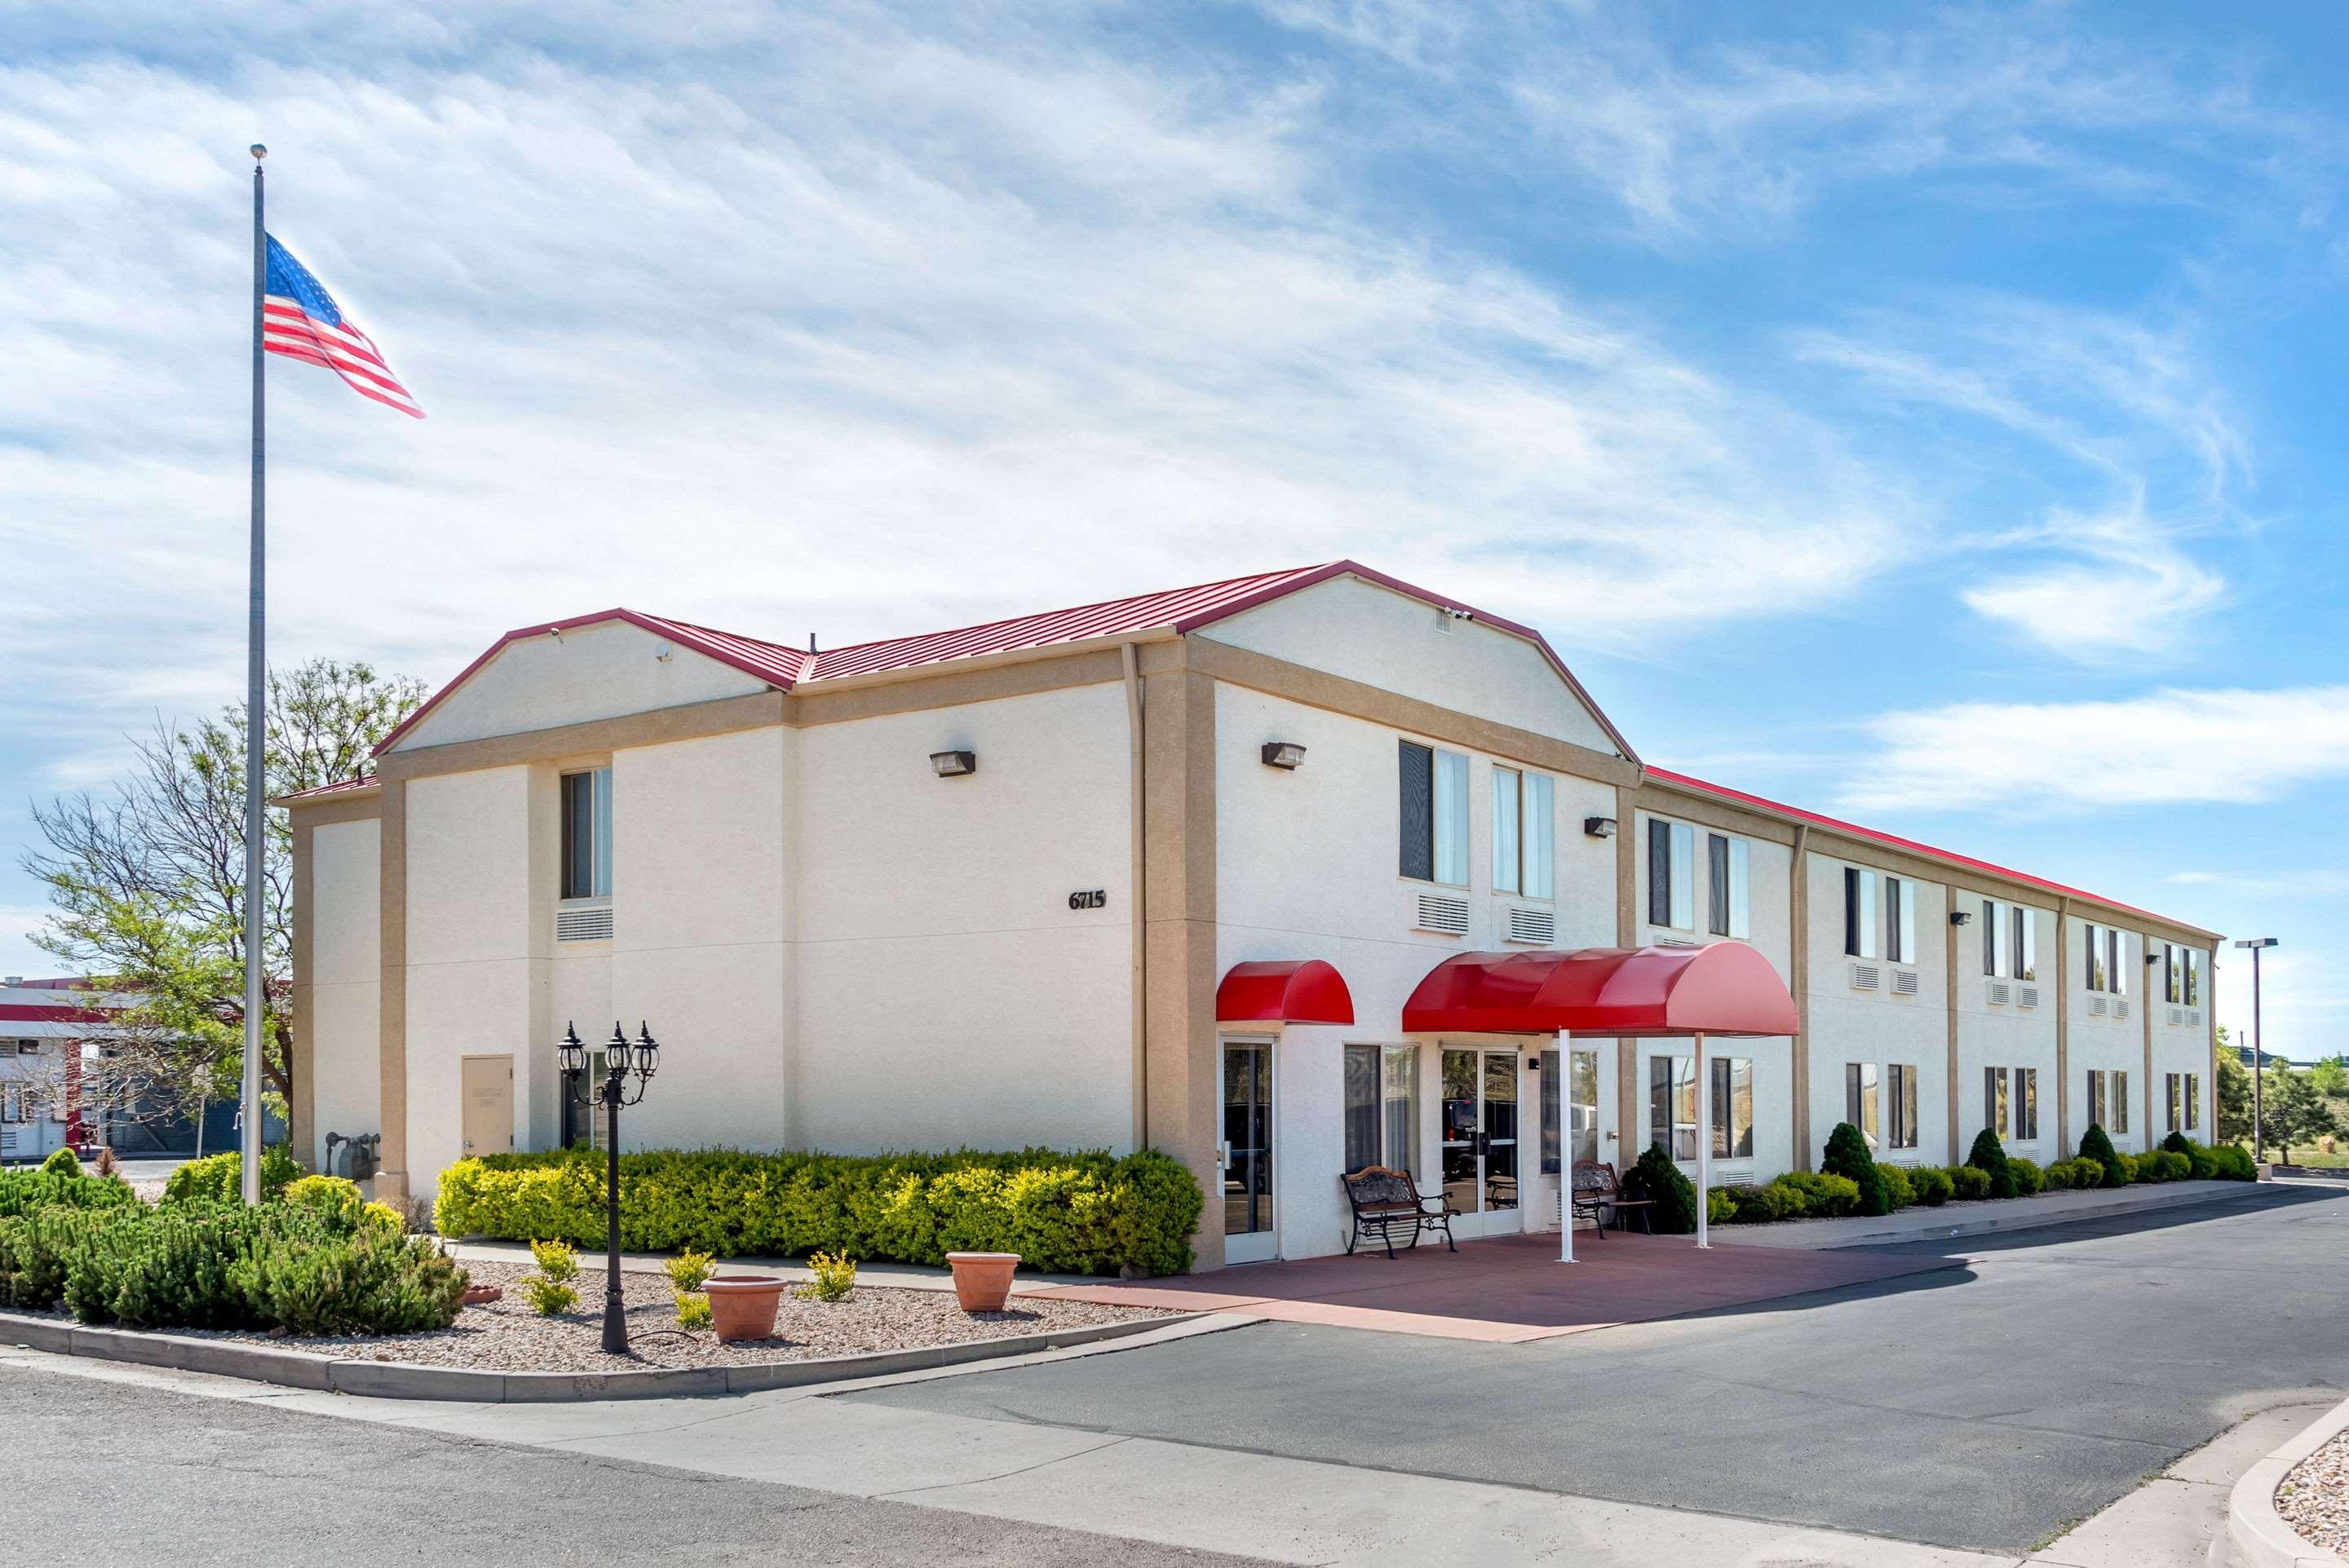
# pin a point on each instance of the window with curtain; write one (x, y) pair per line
(1732, 1106)
(587, 834)
(1578, 1088)
(1524, 833)
(1901, 1103)
(1362, 1107)
(1451, 819)
(1434, 820)
(1381, 1082)
(1859, 918)
(1683, 877)
(1399, 1097)
(1671, 874)
(1672, 1105)
(1861, 1099)
(1741, 888)
(1507, 853)
(2026, 1103)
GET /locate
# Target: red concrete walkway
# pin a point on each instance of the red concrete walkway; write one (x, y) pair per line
(1508, 1289)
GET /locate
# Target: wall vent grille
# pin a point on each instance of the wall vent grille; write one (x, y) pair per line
(2120, 1007)
(2026, 995)
(2178, 1015)
(2194, 1015)
(1445, 917)
(1539, 926)
(584, 923)
(1904, 982)
(2097, 1007)
(2000, 993)
(1865, 977)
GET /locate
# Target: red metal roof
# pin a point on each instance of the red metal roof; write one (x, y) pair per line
(1298, 991)
(1895, 841)
(1727, 988)
(1177, 611)
(316, 792)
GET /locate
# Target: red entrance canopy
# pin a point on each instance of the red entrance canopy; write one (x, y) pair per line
(1727, 988)
(1302, 991)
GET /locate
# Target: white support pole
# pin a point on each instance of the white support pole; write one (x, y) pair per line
(1562, 1090)
(1704, 1142)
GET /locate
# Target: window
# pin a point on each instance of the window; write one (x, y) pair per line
(2193, 1101)
(1859, 1098)
(1900, 907)
(1671, 874)
(2026, 1104)
(2174, 1099)
(2092, 972)
(1381, 1094)
(1994, 1099)
(1581, 1107)
(2119, 1122)
(1524, 828)
(2096, 1109)
(1727, 890)
(587, 834)
(2193, 979)
(2169, 975)
(1994, 956)
(1672, 1105)
(1434, 829)
(2026, 943)
(1903, 1105)
(1859, 912)
(12, 1103)
(1732, 1106)
(2116, 953)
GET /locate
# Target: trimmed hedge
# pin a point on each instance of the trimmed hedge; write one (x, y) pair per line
(1897, 1187)
(60, 1184)
(1063, 1213)
(2029, 1179)
(219, 1178)
(1971, 1183)
(1932, 1184)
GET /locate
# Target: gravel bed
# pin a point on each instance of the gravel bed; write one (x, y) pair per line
(508, 1336)
(2314, 1497)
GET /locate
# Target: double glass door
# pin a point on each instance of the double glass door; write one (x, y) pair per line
(1480, 1135)
(1245, 1153)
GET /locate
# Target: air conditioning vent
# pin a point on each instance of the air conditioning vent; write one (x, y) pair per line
(2026, 995)
(2000, 993)
(584, 923)
(1445, 917)
(2194, 1015)
(1539, 926)
(2178, 1015)
(1865, 977)
(1904, 982)
(2097, 1007)
(2120, 1007)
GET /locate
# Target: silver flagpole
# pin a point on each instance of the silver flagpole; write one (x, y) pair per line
(256, 729)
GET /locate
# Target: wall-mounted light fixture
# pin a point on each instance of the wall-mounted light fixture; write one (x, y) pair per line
(953, 763)
(2151, 959)
(1961, 917)
(1283, 754)
(1599, 827)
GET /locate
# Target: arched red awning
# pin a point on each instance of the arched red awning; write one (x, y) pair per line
(1300, 991)
(1727, 988)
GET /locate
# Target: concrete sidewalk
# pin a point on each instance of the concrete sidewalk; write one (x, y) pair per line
(1979, 1219)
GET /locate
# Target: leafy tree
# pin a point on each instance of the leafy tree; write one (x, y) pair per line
(2331, 1078)
(2230, 1095)
(146, 880)
(2294, 1112)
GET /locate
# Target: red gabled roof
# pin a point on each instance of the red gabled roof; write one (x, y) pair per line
(316, 792)
(1173, 611)
(1894, 841)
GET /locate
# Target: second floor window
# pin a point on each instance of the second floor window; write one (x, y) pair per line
(587, 834)
(1523, 856)
(1728, 885)
(1900, 920)
(1671, 874)
(2193, 977)
(1859, 917)
(1434, 814)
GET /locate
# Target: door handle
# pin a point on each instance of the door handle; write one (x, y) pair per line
(1223, 1156)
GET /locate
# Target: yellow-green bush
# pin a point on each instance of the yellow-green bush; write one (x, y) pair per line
(834, 1279)
(1062, 1212)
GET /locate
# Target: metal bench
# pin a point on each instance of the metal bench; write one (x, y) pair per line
(1385, 1201)
(1598, 1194)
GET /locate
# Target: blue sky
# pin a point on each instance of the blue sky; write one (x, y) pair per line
(1930, 417)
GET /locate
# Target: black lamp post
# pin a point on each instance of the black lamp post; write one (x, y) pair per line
(620, 1060)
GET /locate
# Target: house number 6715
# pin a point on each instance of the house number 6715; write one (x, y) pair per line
(1089, 898)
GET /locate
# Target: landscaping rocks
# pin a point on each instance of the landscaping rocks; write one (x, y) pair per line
(2313, 1498)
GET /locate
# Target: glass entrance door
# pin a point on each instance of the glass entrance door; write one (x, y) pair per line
(1480, 1138)
(1247, 1151)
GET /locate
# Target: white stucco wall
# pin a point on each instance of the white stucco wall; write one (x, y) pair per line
(1393, 641)
(1848, 1025)
(600, 671)
(947, 993)
(2006, 1035)
(2107, 1043)
(345, 982)
(2181, 1046)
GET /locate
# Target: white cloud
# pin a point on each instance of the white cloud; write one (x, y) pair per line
(2299, 884)
(2131, 589)
(2168, 748)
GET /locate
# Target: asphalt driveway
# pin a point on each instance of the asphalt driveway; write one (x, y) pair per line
(1986, 1407)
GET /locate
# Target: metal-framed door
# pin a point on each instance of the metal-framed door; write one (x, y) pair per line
(1481, 1144)
(1244, 1152)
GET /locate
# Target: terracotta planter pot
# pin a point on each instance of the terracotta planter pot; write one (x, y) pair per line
(742, 1306)
(983, 1280)
(483, 1294)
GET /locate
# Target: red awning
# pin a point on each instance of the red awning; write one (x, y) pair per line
(1302, 991)
(1727, 988)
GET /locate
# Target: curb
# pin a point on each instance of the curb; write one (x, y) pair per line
(2257, 1531)
(465, 1385)
(1990, 1224)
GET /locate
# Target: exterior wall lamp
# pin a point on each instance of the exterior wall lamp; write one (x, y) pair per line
(1283, 754)
(1599, 827)
(1961, 917)
(954, 764)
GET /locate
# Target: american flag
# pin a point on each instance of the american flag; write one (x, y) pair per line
(300, 320)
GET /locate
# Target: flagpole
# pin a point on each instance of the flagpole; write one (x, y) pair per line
(255, 729)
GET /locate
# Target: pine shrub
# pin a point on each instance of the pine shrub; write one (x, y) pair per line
(2177, 1144)
(1847, 1156)
(1988, 1154)
(1655, 1178)
(2096, 1145)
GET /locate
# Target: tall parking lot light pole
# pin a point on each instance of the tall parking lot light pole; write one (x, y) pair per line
(2259, 1043)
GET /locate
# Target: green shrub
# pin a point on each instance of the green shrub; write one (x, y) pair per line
(1821, 1195)
(1931, 1185)
(1720, 1206)
(219, 1178)
(2079, 1172)
(365, 1283)
(2177, 1144)
(557, 1260)
(1897, 1188)
(2096, 1146)
(60, 1184)
(1655, 1178)
(688, 1271)
(1988, 1154)
(549, 1297)
(62, 1162)
(2128, 1170)
(1063, 1213)
(2030, 1180)
(692, 1309)
(2233, 1163)
(2201, 1164)
(1761, 1205)
(1970, 1182)
(334, 1199)
(2164, 1165)
(1847, 1156)
(832, 1278)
